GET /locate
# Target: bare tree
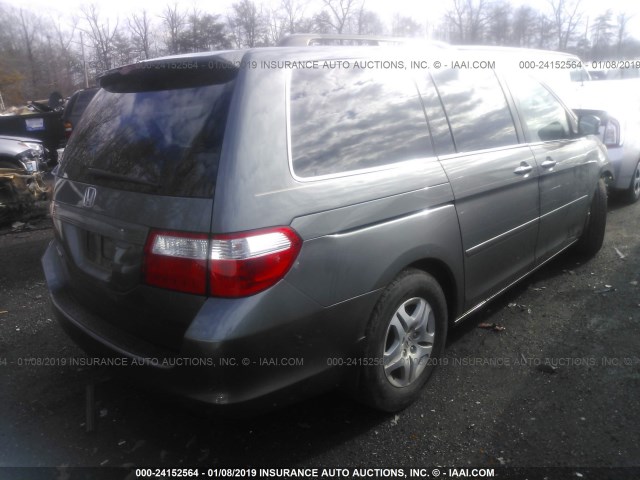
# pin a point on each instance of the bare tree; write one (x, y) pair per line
(467, 20)
(286, 18)
(368, 22)
(28, 29)
(544, 31)
(321, 23)
(402, 26)
(247, 24)
(293, 12)
(566, 17)
(174, 21)
(276, 25)
(602, 34)
(340, 13)
(499, 23)
(140, 27)
(102, 36)
(621, 30)
(67, 60)
(205, 32)
(523, 26)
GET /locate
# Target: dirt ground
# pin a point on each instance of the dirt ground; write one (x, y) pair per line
(556, 383)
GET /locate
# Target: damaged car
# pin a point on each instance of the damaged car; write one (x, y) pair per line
(22, 153)
(22, 182)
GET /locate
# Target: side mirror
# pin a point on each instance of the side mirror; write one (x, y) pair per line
(588, 125)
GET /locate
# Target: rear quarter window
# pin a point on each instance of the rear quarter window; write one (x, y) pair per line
(345, 120)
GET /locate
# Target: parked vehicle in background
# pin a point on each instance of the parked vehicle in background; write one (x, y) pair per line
(623, 73)
(258, 234)
(74, 109)
(20, 153)
(615, 102)
(598, 74)
(22, 180)
(43, 127)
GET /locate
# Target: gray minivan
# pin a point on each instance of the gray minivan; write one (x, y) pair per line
(247, 227)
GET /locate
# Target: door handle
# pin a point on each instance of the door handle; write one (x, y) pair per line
(549, 163)
(523, 169)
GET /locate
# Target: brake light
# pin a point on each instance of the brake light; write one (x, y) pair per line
(247, 263)
(235, 265)
(68, 128)
(611, 136)
(177, 261)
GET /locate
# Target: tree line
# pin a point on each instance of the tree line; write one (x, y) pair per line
(40, 54)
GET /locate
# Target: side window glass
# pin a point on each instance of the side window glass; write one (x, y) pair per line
(543, 115)
(477, 109)
(438, 125)
(351, 119)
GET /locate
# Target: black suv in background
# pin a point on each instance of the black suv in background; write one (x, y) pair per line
(74, 109)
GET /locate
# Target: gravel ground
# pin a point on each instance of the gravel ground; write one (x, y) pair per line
(555, 383)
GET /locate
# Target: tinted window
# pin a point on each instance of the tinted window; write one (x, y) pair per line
(81, 103)
(438, 124)
(477, 109)
(351, 119)
(543, 115)
(166, 142)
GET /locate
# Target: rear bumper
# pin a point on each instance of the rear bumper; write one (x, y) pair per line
(257, 352)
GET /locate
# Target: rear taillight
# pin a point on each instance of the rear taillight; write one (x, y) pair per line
(177, 261)
(68, 128)
(611, 137)
(247, 263)
(235, 265)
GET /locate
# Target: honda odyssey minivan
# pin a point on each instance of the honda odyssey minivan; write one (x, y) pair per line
(247, 227)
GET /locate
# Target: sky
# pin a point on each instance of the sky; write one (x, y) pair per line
(419, 10)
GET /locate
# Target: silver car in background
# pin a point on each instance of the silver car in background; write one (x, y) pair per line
(21, 153)
(617, 104)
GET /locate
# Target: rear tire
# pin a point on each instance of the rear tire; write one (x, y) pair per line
(404, 339)
(632, 194)
(592, 237)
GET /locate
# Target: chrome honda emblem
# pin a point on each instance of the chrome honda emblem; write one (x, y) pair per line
(89, 197)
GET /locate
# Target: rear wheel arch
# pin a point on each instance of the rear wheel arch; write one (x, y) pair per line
(445, 277)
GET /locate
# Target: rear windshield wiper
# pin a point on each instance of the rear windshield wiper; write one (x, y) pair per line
(98, 172)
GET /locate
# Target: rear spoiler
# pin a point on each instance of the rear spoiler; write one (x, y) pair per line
(169, 73)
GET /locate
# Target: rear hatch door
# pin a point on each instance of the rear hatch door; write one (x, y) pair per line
(144, 158)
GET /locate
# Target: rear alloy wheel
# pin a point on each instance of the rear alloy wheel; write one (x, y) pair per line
(405, 336)
(409, 342)
(592, 236)
(633, 192)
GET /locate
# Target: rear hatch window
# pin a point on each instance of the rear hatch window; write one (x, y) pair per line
(155, 131)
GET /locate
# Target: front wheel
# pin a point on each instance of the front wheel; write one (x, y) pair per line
(592, 236)
(406, 335)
